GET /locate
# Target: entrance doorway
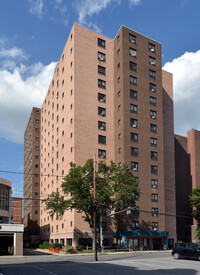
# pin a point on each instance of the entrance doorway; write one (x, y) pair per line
(6, 245)
(157, 244)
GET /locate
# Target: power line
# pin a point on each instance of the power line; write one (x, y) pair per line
(51, 175)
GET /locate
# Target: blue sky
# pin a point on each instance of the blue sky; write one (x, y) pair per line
(33, 34)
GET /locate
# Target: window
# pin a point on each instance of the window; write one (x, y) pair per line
(134, 152)
(136, 182)
(154, 197)
(134, 166)
(155, 226)
(101, 111)
(133, 66)
(154, 211)
(152, 87)
(37, 112)
(119, 121)
(36, 166)
(152, 48)
(153, 128)
(102, 154)
(119, 107)
(152, 74)
(101, 139)
(104, 225)
(132, 52)
(36, 202)
(132, 38)
(133, 108)
(36, 193)
(118, 66)
(152, 101)
(154, 155)
(152, 61)
(135, 224)
(154, 183)
(101, 70)
(133, 80)
(36, 183)
(134, 137)
(118, 80)
(119, 136)
(154, 169)
(119, 150)
(153, 141)
(118, 51)
(134, 123)
(118, 93)
(37, 129)
(101, 43)
(118, 38)
(101, 56)
(37, 120)
(153, 114)
(101, 97)
(101, 84)
(101, 125)
(36, 147)
(133, 94)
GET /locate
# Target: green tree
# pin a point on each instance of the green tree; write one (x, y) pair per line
(195, 202)
(115, 188)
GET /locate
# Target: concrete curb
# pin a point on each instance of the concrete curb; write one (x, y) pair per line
(103, 253)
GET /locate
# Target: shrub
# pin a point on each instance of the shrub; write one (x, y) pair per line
(79, 247)
(44, 245)
(56, 245)
(69, 248)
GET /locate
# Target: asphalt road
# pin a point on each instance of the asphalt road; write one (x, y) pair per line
(148, 263)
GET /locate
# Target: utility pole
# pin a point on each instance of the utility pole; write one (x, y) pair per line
(95, 212)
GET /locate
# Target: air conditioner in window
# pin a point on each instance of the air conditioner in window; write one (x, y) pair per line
(102, 100)
(153, 89)
(101, 58)
(132, 41)
(134, 169)
(152, 50)
(101, 156)
(134, 126)
(153, 117)
(154, 186)
(101, 128)
(133, 54)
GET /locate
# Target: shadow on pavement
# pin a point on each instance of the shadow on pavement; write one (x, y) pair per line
(68, 267)
(32, 252)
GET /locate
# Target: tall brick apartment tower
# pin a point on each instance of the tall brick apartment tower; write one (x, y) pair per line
(110, 98)
(31, 215)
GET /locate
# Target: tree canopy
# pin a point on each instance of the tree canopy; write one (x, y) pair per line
(115, 189)
(195, 202)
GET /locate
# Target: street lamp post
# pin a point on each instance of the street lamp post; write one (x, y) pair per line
(95, 212)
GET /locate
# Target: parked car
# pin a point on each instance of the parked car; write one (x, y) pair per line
(186, 250)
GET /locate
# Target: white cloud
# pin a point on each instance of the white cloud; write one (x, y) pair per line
(36, 7)
(186, 83)
(134, 2)
(12, 53)
(89, 7)
(20, 90)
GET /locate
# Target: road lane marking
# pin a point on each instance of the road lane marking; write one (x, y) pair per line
(43, 270)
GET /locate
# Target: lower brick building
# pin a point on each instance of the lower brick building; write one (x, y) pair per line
(187, 174)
